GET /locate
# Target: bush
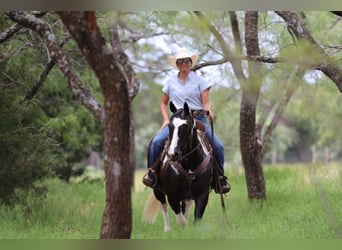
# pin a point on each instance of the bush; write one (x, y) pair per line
(27, 154)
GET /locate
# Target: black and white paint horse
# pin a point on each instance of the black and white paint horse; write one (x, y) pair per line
(185, 173)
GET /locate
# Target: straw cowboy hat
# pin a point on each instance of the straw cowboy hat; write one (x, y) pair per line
(182, 53)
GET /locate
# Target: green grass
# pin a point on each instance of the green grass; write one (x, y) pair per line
(303, 202)
(70, 211)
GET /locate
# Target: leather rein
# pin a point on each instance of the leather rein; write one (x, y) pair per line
(191, 175)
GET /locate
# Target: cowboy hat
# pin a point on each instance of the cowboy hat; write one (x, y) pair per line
(182, 53)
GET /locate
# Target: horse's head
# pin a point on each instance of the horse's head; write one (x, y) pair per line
(181, 127)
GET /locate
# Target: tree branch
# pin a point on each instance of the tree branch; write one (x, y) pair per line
(56, 52)
(209, 63)
(40, 80)
(8, 33)
(228, 55)
(236, 31)
(236, 62)
(322, 62)
(257, 58)
(291, 87)
(125, 67)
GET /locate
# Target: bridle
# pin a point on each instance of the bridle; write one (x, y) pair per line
(191, 175)
(192, 125)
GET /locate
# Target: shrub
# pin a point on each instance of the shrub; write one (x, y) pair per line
(27, 154)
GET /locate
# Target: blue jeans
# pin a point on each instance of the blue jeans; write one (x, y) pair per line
(159, 139)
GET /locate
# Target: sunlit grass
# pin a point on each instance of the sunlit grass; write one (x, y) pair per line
(303, 202)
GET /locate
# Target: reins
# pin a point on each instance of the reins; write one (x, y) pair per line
(191, 175)
(191, 139)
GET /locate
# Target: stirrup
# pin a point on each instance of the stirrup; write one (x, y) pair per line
(222, 186)
(150, 179)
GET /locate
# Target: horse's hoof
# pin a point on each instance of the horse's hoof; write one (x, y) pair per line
(180, 220)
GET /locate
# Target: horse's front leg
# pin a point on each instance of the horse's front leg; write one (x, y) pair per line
(176, 207)
(200, 204)
(186, 209)
(162, 199)
(167, 226)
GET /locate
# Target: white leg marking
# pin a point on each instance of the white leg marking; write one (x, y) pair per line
(167, 226)
(187, 207)
(180, 219)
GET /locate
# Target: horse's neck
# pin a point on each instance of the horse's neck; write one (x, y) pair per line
(197, 153)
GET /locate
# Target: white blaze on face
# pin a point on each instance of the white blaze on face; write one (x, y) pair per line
(177, 122)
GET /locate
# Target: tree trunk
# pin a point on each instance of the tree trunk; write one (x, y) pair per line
(251, 148)
(250, 143)
(117, 216)
(251, 151)
(114, 81)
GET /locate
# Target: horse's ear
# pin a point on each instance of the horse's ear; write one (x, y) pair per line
(172, 107)
(186, 108)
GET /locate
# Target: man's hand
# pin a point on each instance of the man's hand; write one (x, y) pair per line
(210, 114)
(165, 123)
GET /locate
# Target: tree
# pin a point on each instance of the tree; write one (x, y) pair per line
(119, 86)
(253, 142)
(250, 144)
(56, 109)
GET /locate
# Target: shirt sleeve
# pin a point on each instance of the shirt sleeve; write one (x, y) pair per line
(166, 88)
(203, 84)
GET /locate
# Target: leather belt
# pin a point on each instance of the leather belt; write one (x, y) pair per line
(198, 112)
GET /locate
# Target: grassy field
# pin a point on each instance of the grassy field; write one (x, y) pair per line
(303, 202)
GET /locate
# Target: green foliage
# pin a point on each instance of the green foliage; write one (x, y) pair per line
(147, 119)
(57, 114)
(226, 105)
(316, 117)
(90, 174)
(28, 154)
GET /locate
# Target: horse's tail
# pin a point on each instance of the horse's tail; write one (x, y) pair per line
(151, 209)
